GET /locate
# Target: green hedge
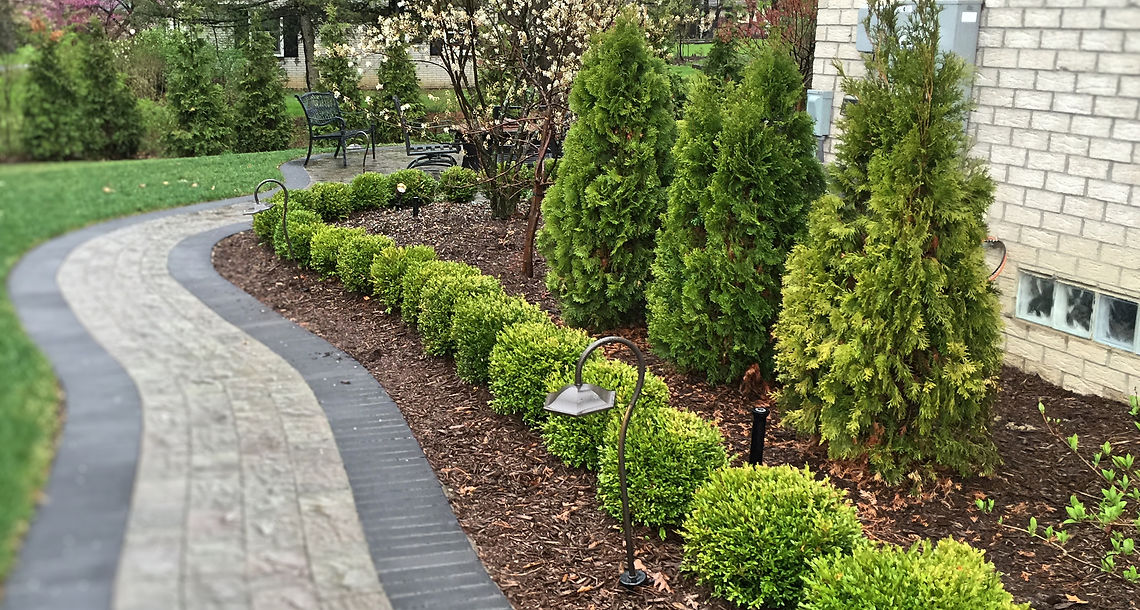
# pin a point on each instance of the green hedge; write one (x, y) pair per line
(668, 455)
(301, 225)
(325, 245)
(354, 260)
(371, 191)
(576, 440)
(521, 361)
(265, 222)
(416, 276)
(332, 200)
(458, 184)
(418, 182)
(437, 306)
(388, 270)
(949, 576)
(754, 529)
(475, 329)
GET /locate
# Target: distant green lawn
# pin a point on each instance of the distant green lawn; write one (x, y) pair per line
(699, 49)
(40, 201)
(686, 72)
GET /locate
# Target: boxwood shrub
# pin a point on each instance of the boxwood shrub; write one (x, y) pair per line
(388, 270)
(370, 191)
(475, 328)
(575, 440)
(265, 222)
(754, 529)
(668, 455)
(416, 276)
(458, 184)
(418, 182)
(332, 200)
(354, 260)
(437, 306)
(949, 576)
(524, 356)
(325, 245)
(301, 224)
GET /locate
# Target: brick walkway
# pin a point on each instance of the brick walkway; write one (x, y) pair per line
(241, 498)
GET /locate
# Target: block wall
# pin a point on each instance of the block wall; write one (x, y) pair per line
(431, 75)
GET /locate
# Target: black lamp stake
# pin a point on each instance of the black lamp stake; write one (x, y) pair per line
(759, 431)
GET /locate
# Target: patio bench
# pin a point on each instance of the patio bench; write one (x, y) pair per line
(436, 154)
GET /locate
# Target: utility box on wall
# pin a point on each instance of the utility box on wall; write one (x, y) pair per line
(819, 107)
(958, 23)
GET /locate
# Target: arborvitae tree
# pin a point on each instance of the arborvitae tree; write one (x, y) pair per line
(888, 343)
(337, 64)
(604, 207)
(262, 122)
(54, 127)
(396, 76)
(199, 105)
(725, 61)
(113, 119)
(746, 176)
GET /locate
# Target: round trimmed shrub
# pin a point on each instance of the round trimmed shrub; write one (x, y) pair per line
(265, 222)
(524, 356)
(575, 440)
(475, 327)
(370, 191)
(949, 576)
(437, 306)
(325, 246)
(332, 200)
(417, 276)
(458, 184)
(354, 260)
(301, 224)
(668, 455)
(754, 529)
(388, 268)
(418, 182)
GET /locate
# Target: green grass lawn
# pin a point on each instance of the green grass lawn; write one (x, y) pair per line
(686, 72)
(699, 49)
(40, 201)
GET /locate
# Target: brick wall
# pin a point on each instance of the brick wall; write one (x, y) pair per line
(431, 76)
(1058, 119)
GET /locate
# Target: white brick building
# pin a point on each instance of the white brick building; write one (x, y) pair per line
(1058, 118)
(431, 75)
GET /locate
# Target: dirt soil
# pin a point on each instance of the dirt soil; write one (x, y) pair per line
(536, 522)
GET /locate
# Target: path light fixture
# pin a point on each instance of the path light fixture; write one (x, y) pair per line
(759, 431)
(578, 399)
(284, 209)
(401, 190)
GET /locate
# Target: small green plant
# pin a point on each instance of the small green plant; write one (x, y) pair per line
(949, 576)
(458, 184)
(669, 454)
(754, 529)
(265, 222)
(301, 225)
(475, 329)
(325, 245)
(371, 191)
(437, 306)
(524, 356)
(576, 440)
(332, 200)
(417, 183)
(417, 276)
(389, 267)
(354, 260)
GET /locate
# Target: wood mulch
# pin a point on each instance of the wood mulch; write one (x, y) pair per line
(536, 522)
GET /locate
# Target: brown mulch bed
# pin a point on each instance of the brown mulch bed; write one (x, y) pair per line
(536, 522)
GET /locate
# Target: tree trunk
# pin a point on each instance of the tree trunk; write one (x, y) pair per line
(536, 200)
(308, 39)
(7, 28)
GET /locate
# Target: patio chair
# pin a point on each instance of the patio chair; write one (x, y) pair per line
(321, 110)
(437, 154)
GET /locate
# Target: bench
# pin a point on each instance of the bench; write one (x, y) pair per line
(321, 110)
(437, 154)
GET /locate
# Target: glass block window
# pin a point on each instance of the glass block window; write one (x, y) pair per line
(1035, 299)
(1116, 324)
(1074, 310)
(1110, 320)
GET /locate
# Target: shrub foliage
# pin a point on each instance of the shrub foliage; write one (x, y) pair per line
(332, 200)
(354, 260)
(325, 246)
(371, 191)
(476, 325)
(112, 113)
(389, 267)
(261, 122)
(437, 306)
(53, 117)
(417, 276)
(524, 356)
(301, 225)
(418, 183)
(396, 76)
(458, 184)
(199, 105)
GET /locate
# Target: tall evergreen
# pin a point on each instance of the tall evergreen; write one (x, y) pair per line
(603, 210)
(396, 76)
(337, 64)
(262, 122)
(198, 104)
(53, 123)
(113, 119)
(888, 342)
(746, 175)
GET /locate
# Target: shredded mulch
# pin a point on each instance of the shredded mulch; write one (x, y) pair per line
(536, 523)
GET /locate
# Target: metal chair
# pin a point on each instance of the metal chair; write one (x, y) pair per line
(321, 109)
(440, 154)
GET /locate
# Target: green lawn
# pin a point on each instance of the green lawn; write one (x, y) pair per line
(699, 49)
(42, 200)
(686, 72)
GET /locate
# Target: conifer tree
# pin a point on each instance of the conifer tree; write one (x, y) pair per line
(337, 63)
(53, 126)
(262, 122)
(888, 342)
(396, 76)
(724, 62)
(746, 175)
(113, 119)
(198, 104)
(604, 207)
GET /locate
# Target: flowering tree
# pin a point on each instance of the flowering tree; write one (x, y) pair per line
(61, 14)
(789, 21)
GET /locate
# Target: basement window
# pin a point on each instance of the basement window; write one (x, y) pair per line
(1116, 324)
(1111, 320)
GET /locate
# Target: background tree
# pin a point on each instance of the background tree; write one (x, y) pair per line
(113, 120)
(261, 122)
(789, 23)
(603, 210)
(54, 126)
(747, 174)
(198, 103)
(888, 343)
(336, 63)
(396, 76)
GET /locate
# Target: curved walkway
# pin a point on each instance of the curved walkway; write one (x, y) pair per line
(272, 470)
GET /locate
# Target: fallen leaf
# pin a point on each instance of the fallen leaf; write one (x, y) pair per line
(1075, 599)
(108, 189)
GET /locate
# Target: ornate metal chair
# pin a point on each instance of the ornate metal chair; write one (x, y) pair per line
(321, 109)
(436, 154)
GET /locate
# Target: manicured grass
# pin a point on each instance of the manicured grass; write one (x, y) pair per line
(699, 49)
(686, 72)
(43, 200)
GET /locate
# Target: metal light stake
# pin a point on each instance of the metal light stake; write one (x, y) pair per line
(759, 431)
(581, 399)
(284, 209)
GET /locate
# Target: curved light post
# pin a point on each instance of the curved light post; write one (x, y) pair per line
(580, 399)
(284, 209)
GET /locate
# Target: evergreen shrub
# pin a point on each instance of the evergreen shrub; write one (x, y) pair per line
(336, 63)
(265, 222)
(370, 191)
(458, 184)
(332, 200)
(325, 246)
(388, 270)
(261, 121)
(524, 356)
(113, 120)
(949, 576)
(576, 440)
(475, 328)
(668, 455)
(602, 212)
(418, 182)
(53, 126)
(437, 306)
(725, 62)
(199, 105)
(754, 529)
(354, 260)
(746, 176)
(396, 75)
(417, 276)
(301, 224)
